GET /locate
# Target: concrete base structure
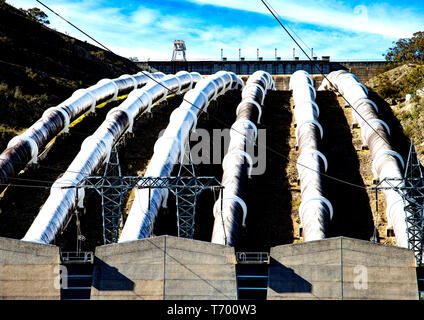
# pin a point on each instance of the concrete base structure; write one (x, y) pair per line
(170, 268)
(364, 70)
(164, 267)
(342, 268)
(28, 271)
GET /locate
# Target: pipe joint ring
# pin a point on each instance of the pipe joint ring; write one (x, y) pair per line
(390, 208)
(242, 153)
(310, 121)
(244, 121)
(362, 101)
(235, 199)
(246, 90)
(33, 145)
(322, 200)
(316, 153)
(252, 101)
(383, 153)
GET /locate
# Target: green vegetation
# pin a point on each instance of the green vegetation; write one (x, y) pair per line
(407, 50)
(37, 15)
(400, 81)
(405, 76)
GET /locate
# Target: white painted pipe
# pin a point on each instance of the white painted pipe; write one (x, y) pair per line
(24, 149)
(169, 149)
(375, 134)
(237, 163)
(95, 151)
(315, 210)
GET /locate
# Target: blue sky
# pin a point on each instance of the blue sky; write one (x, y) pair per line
(146, 29)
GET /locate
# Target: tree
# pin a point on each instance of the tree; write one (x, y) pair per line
(407, 49)
(38, 15)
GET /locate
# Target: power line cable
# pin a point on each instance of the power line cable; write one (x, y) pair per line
(74, 26)
(275, 15)
(267, 147)
(225, 124)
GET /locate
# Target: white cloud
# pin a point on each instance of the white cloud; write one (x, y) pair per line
(376, 18)
(147, 33)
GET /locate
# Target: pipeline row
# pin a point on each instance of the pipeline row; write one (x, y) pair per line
(169, 150)
(315, 210)
(237, 163)
(386, 163)
(25, 148)
(95, 150)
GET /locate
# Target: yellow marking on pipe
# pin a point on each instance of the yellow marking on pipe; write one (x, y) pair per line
(78, 120)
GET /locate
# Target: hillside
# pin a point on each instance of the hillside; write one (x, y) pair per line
(40, 67)
(402, 88)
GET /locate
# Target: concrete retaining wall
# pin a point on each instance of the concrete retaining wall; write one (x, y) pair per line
(28, 270)
(364, 70)
(164, 267)
(238, 67)
(342, 268)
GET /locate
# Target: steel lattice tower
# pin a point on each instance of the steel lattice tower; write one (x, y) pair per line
(112, 199)
(411, 189)
(414, 204)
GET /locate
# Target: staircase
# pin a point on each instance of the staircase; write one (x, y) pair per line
(77, 275)
(252, 275)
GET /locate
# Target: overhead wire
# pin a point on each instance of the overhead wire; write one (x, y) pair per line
(74, 26)
(227, 125)
(275, 15)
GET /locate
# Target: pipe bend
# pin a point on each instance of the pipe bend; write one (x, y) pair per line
(311, 87)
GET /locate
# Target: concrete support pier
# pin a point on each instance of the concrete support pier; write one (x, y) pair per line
(29, 271)
(343, 269)
(164, 267)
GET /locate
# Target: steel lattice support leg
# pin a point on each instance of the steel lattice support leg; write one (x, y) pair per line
(112, 200)
(186, 197)
(414, 204)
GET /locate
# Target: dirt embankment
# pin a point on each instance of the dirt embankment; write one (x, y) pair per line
(40, 68)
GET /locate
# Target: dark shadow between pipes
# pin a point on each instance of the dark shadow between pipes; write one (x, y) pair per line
(352, 212)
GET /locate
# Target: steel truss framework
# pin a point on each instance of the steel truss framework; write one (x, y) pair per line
(411, 189)
(112, 187)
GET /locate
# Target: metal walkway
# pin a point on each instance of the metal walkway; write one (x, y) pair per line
(77, 275)
(252, 275)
